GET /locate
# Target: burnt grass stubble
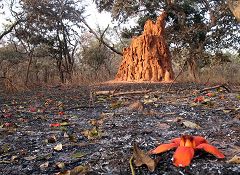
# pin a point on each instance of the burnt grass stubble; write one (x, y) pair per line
(23, 146)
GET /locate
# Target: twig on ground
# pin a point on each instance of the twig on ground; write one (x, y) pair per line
(114, 93)
(104, 92)
(131, 165)
(228, 89)
(131, 92)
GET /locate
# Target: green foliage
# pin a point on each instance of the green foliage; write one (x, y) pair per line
(94, 55)
(54, 24)
(10, 54)
(195, 24)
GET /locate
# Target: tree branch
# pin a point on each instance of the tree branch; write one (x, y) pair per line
(100, 38)
(9, 29)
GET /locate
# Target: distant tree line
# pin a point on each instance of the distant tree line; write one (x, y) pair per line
(45, 39)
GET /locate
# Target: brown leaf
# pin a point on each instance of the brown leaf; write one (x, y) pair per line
(52, 139)
(136, 106)
(93, 133)
(58, 147)
(190, 124)
(235, 159)
(79, 170)
(60, 165)
(141, 158)
(44, 165)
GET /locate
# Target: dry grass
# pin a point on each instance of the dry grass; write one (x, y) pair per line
(227, 73)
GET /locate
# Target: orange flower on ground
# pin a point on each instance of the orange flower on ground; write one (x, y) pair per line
(55, 124)
(210, 94)
(186, 145)
(199, 99)
(61, 113)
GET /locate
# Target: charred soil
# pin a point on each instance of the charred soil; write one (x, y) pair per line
(97, 129)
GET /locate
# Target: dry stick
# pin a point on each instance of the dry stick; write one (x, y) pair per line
(104, 92)
(216, 87)
(131, 93)
(131, 166)
(185, 63)
(112, 93)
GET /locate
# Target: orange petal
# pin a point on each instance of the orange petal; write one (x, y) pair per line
(183, 156)
(163, 148)
(199, 140)
(176, 140)
(211, 149)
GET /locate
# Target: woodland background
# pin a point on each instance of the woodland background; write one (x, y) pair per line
(47, 42)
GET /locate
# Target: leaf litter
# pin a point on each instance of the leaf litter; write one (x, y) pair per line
(98, 138)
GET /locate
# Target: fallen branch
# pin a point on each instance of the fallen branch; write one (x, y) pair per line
(104, 92)
(131, 93)
(216, 87)
(113, 93)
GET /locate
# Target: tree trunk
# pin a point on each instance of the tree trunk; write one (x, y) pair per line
(148, 56)
(28, 68)
(193, 70)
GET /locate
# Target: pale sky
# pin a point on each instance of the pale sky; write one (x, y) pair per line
(94, 18)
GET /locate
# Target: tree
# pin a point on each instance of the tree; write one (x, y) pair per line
(94, 55)
(9, 28)
(55, 24)
(196, 25)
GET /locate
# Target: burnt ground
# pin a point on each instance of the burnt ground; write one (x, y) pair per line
(98, 131)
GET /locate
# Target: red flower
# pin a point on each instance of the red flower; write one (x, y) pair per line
(8, 115)
(210, 94)
(199, 99)
(186, 145)
(61, 113)
(33, 109)
(7, 124)
(55, 125)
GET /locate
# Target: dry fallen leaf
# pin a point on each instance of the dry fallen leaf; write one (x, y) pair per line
(136, 106)
(58, 147)
(44, 165)
(116, 104)
(141, 158)
(190, 124)
(65, 135)
(234, 160)
(60, 165)
(66, 172)
(96, 122)
(79, 170)
(29, 158)
(162, 126)
(52, 139)
(92, 133)
(78, 155)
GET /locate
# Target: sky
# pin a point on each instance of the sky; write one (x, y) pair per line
(94, 18)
